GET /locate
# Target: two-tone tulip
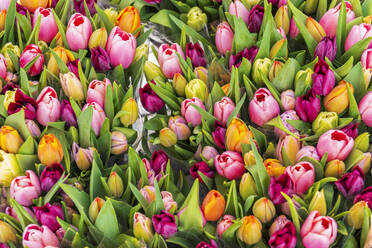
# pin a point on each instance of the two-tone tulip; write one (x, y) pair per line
(307, 151)
(336, 143)
(35, 236)
(72, 87)
(288, 145)
(82, 157)
(50, 150)
(168, 59)
(179, 84)
(3, 67)
(119, 143)
(48, 106)
(10, 140)
(97, 91)
(64, 54)
(224, 224)
(315, 29)
(179, 126)
(167, 137)
(98, 38)
(131, 112)
(237, 133)
(25, 188)
(222, 109)
(274, 168)
(324, 122)
(263, 107)
(264, 210)
(318, 203)
(115, 184)
(32, 5)
(98, 116)
(196, 88)
(95, 207)
(365, 109)
(302, 176)
(4, 4)
(142, 227)
(365, 162)
(338, 99)
(356, 216)
(78, 32)
(7, 234)
(238, 9)
(31, 52)
(15, 49)
(285, 117)
(48, 25)
(129, 19)
(282, 18)
(335, 168)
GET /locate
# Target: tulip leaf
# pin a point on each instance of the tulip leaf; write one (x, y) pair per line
(108, 24)
(55, 188)
(366, 225)
(248, 203)
(9, 23)
(285, 78)
(336, 206)
(28, 147)
(341, 29)
(344, 70)
(356, 51)
(249, 87)
(229, 234)
(61, 30)
(353, 105)
(367, 7)
(180, 242)
(354, 157)
(96, 188)
(216, 93)
(355, 77)
(17, 121)
(277, 122)
(236, 110)
(84, 123)
(104, 144)
(294, 214)
(159, 205)
(264, 178)
(24, 217)
(138, 167)
(192, 218)
(165, 96)
(234, 88)
(145, 205)
(242, 39)
(264, 50)
(162, 17)
(232, 200)
(206, 180)
(14, 59)
(107, 221)
(273, 90)
(210, 119)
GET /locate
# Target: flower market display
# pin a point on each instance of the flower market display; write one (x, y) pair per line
(192, 124)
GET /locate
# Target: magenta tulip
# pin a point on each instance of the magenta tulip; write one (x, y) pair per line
(47, 215)
(117, 42)
(164, 224)
(302, 176)
(358, 33)
(255, 18)
(48, 106)
(149, 99)
(351, 129)
(308, 106)
(25, 188)
(78, 32)
(223, 109)
(3, 65)
(318, 231)
(224, 224)
(282, 184)
(196, 53)
(365, 109)
(73, 66)
(323, 78)
(68, 114)
(219, 134)
(35, 236)
(249, 54)
(351, 183)
(98, 116)
(190, 114)
(285, 237)
(238, 9)
(330, 19)
(224, 38)
(293, 29)
(230, 165)
(263, 107)
(97, 91)
(80, 7)
(366, 59)
(48, 25)
(25, 103)
(307, 151)
(159, 160)
(32, 51)
(168, 59)
(365, 195)
(201, 167)
(326, 48)
(336, 143)
(50, 176)
(153, 1)
(100, 59)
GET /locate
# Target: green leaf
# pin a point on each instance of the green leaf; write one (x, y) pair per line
(17, 121)
(294, 214)
(139, 197)
(55, 188)
(61, 30)
(106, 220)
(236, 110)
(62, 66)
(84, 120)
(232, 200)
(210, 119)
(96, 189)
(341, 29)
(108, 24)
(355, 77)
(242, 39)
(9, 22)
(355, 51)
(162, 17)
(264, 50)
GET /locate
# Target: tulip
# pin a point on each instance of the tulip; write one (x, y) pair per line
(249, 54)
(284, 237)
(282, 18)
(73, 66)
(302, 176)
(119, 143)
(47, 215)
(9, 168)
(274, 168)
(129, 19)
(287, 145)
(224, 224)
(72, 87)
(334, 168)
(213, 205)
(196, 18)
(33, 128)
(63, 54)
(117, 42)
(201, 167)
(356, 214)
(179, 84)
(209, 152)
(336, 143)
(260, 69)
(275, 68)
(7, 233)
(78, 32)
(3, 66)
(115, 184)
(179, 126)
(237, 134)
(318, 203)
(48, 25)
(203, 244)
(219, 134)
(255, 18)
(142, 227)
(196, 88)
(10, 140)
(324, 122)
(32, 51)
(153, 1)
(48, 106)
(365, 109)
(250, 230)
(153, 71)
(247, 186)
(279, 49)
(329, 20)
(164, 224)
(238, 9)
(50, 150)
(15, 49)
(4, 4)
(326, 48)
(98, 116)
(50, 176)
(264, 210)
(351, 129)
(97, 91)
(82, 157)
(33, 5)
(25, 188)
(142, 51)
(95, 207)
(307, 151)
(98, 39)
(35, 236)
(308, 106)
(351, 183)
(263, 107)
(167, 137)
(323, 78)
(131, 112)
(224, 38)
(338, 99)
(223, 109)
(168, 59)
(365, 195)
(278, 224)
(287, 115)
(201, 73)
(303, 81)
(159, 161)
(150, 100)
(68, 114)
(79, 6)
(315, 29)
(196, 53)
(100, 59)
(230, 165)
(170, 205)
(190, 113)
(358, 33)
(366, 60)
(293, 29)
(318, 231)
(148, 192)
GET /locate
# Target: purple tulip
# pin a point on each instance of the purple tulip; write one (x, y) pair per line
(22, 101)
(164, 224)
(219, 134)
(307, 151)
(48, 25)
(68, 114)
(25, 188)
(255, 17)
(351, 183)
(159, 161)
(47, 215)
(282, 184)
(79, 6)
(153, 1)
(150, 100)
(287, 115)
(326, 48)
(2, 245)
(203, 168)
(196, 53)
(238, 9)
(50, 176)
(284, 237)
(308, 106)
(33, 128)
(73, 66)
(98, 116)
(250, 54)
(100, 59)
(323, 78)
(32, 51)
(366, 196)
(351, 130)
(48, 106)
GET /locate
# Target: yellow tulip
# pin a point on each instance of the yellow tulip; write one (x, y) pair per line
(64, 54)
(237, 134)
(250, 230)
(131, 112)
(10, 140)
(50, 150)
(338, 99)
(316, 30)
(32, 5)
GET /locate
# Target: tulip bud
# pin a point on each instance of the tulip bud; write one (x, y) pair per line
(63, 54)
(131, 112)
(201, 73)
(152, 71)
(31, 52)
(7, 233)
(303, 81)
(247, 186)
(72, 87)
(2, 19)
(119, 143)
(209, 152)
(274, 168)
(365, 162)
(98, 38)
(10, 140)
(196, 18)
(358, 33)
(213, 205)
(275, 69)
(120, 40)
(95, 207)
(356, 214)
(260, 68)
(302, 176)
(335, 168)
(351, 183)
(224, 38)
(196, 53)
(33, 128)
(224, 224)
(48, 106)
(167, 137)
(326, 48)
(100, 59)
(279, 49)
(82, 157)
(249, 158)
(255, 18)
(315, 29)
(263, 107)
(338, 99)
(308, 106)
(250, 230)
(115, 184)
(318, 203)
(141, 52)
(33, 5)
(111, 14)
(288, 100)
(179, 126)
(293, 29)
(289, 146)
(50, 150)
(190, 114)
(238, 9)
(149, 99)
(278, 224)
(362, 142)
(264, 210)
(282, 18)
(79, 30)
(179, 84)
(129, 19)
(142, 227)
(9, 168)
(15, 49)
(196, 88)
(324, 122)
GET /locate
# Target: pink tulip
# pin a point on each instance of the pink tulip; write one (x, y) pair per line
(78, 32)
(330, 19)
(48, 25)
(263, 107)
(4, 4)
(358, 33)
(190, 113)
(32, 51)
(336, 143)
(98, 116)
(168, 59)
(25, 188)
(224, 224)
(365, 109)
(288, 100)
(11, 212)
(209, 152)
(366, 61)
(224, 38)
(293, 29)
(238, 9)
(169, 204)
(223, 109)
(97, 91)
(302, 176)
(121, 47)
(318, 231)
(230, 165)
(3, 72)
(282, 32)
(48, 106)
(307, 151)
(35, 236)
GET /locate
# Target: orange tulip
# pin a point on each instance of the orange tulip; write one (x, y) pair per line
(274, 168)
(225, 88)
(32, 5)
(213, 205)
(2, 19)
(129, 20)
(237, 134)
(338, 99)
(50, 150)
